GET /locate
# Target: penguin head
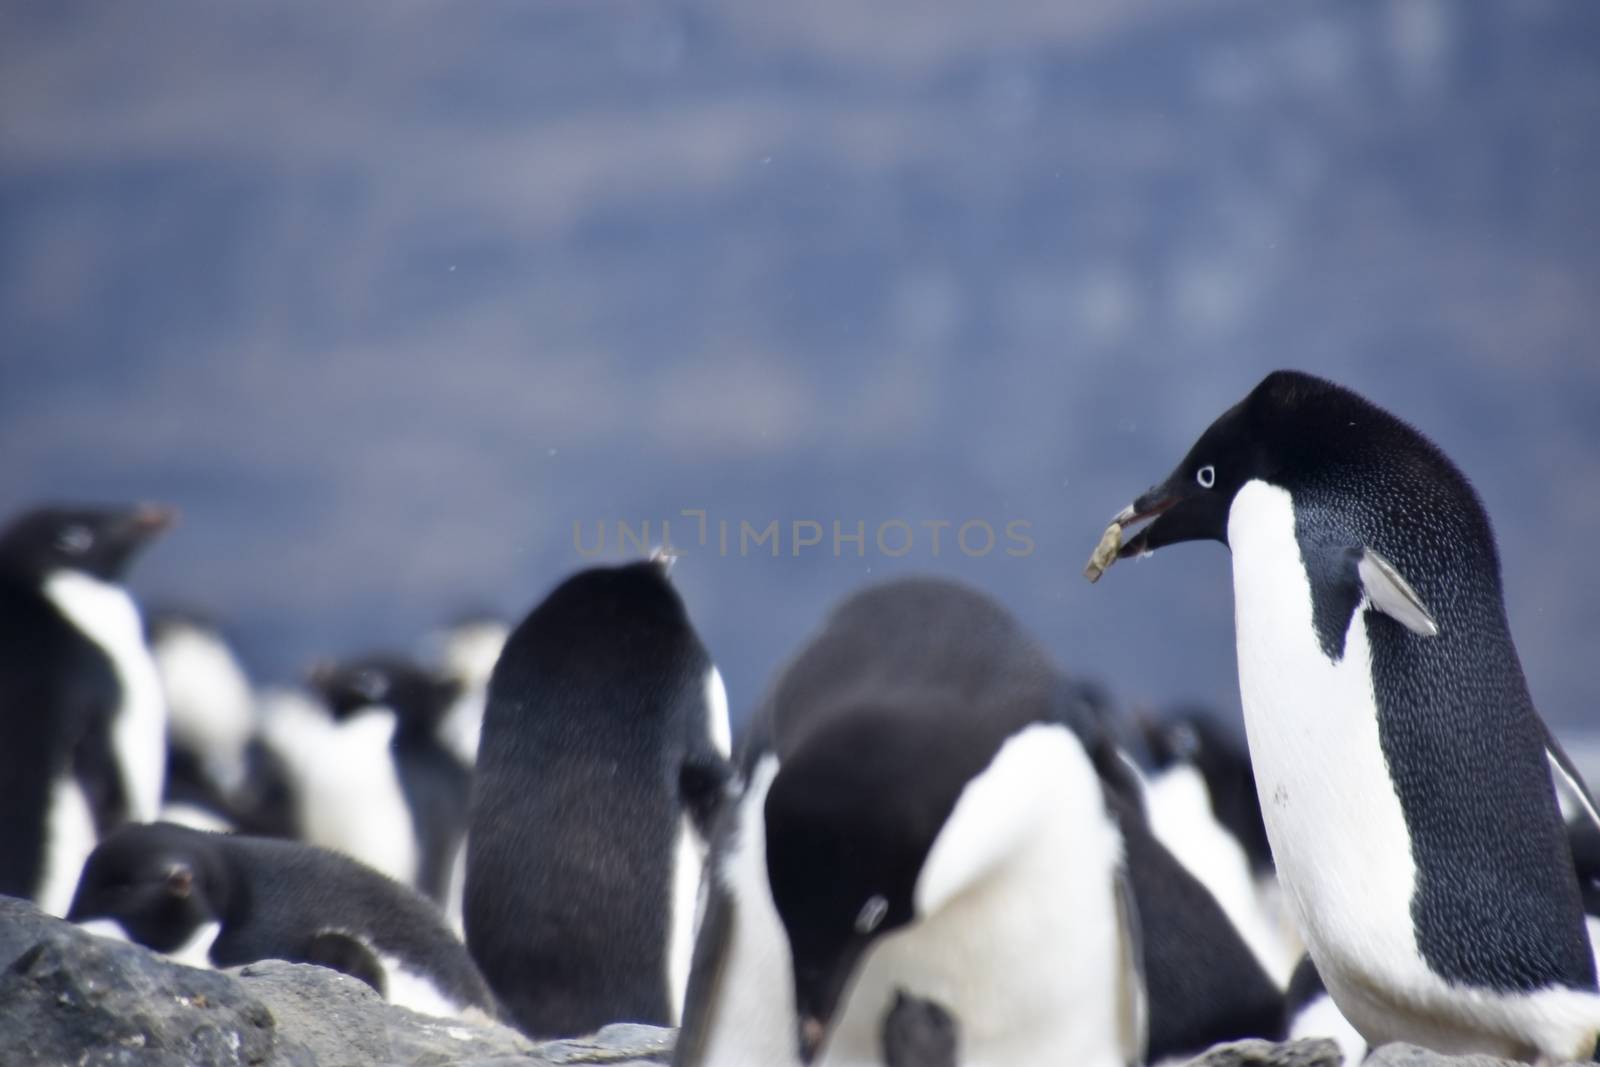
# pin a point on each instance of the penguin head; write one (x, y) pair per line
(1293, 431)
(860, 844)
(418, 697)
(99, 542)
(157, 880)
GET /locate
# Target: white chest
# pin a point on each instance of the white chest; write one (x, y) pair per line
(753, 1018)
(107, 616)
(1338, 835)
(1028, 958)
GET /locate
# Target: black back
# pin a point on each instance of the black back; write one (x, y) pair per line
(435, 783)
(58, 693)
(594, 736)
(1203, 983)
(1497, 901)
(274, 899)
(917, 658)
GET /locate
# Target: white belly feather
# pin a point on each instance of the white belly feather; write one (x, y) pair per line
(106, 614)
(1338, 833)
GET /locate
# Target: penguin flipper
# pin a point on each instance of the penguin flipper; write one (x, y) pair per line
(706, 966)
(345, 954)
(1576, 800)
(1387, 591)
(1133, 1013)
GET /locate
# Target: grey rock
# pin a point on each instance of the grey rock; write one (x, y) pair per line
(73, 998)
(1401, 1055)
(68, 997)
(1317, 1052)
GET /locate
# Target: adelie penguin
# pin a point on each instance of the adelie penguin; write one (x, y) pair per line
(224, 900)
(601, 763)
(210, 719)
(1200, 797)
(1429, 877)
(82, 717)
(409, 704)
(923, 820)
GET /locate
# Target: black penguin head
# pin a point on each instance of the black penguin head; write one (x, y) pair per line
(418, 697)
(1292, 429)
(851, 820)
(159, 881)
(99, 542)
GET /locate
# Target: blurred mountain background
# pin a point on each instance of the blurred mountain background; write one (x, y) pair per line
(387, 296)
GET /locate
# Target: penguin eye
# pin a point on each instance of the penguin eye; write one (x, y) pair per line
(1206, 476)
(75, 540)
(871, 915)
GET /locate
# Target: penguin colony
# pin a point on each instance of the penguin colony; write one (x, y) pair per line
(933, 845)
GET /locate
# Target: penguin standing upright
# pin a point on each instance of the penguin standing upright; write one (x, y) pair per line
(82, 718)
(1429, 877)
(917, 822)
(602, 760)
(434, 781)
(224, 900)
(210, 718)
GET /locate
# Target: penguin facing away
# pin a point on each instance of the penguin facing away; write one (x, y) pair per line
(228, 900)
(82, 718)
(601, 764)
(916, 822)
(1429, 879)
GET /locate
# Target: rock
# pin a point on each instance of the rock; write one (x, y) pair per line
(1399, 1055)
(67, 996)
(1317, 1052)
(74, 998)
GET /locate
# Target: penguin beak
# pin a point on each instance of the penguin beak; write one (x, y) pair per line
(812, 1033)
(1152, 505)
(150, 519)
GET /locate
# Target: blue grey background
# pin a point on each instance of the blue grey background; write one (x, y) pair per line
(386, 296)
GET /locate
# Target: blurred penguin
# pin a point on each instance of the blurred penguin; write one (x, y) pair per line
(466, 652)
(411, 703)
(82, 716)
(602, 762)
(1201, 801)
(922, 850)
(225, 900)
(210, 718)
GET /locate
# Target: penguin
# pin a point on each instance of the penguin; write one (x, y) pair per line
(602, 763)
(82, 717)
(1429, 878)
(210, 718)
(466, 651)
(225, 900)
(411, 703)
(1195, 764)
(916, 820)
(340, 779)
(1312, 1013)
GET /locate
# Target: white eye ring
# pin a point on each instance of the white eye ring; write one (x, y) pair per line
(1206, 476)
(75, 539)
(872, 913)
